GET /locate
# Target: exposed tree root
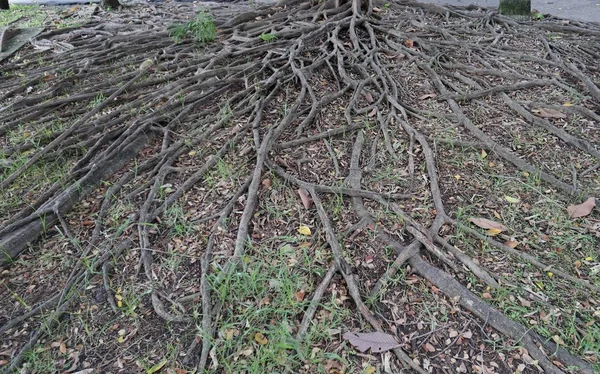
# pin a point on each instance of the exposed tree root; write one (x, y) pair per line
(332, 70)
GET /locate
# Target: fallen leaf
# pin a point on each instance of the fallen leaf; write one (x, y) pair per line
(493, 232)
(409, 43)
(368, 96)
(87, 222)
(511, 243)
(524, 302)
(62, 348)
(512, 200)
(300, 295)
(156, 368)
(487, 296)
(333, 367)
(483, 154)
(260, 338)
(304, 230)
(376, 341)
(243, 352)
(370, 369)
(548, 113)
(266, 183)
(568, 104)
(488, 224)
(305, 197)
(119, 298)
(582, 209)
(428, 347)
(230, 333)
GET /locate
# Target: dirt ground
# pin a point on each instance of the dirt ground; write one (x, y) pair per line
(237, 189)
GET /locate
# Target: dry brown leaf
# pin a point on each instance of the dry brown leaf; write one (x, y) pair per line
(493, 232)
(368, 96)
(409, 43)
(511, 243)
(488, 224)
(524, 302)
(333, 367)
(260, 338)
(376, 341)
(582, 209)
(305, 197)
(266, 183)
(549, 113)
(428, 347)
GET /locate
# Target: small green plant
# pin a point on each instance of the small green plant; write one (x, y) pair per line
(202, 28)
(268, 38)
(536, 16)
(99, 99)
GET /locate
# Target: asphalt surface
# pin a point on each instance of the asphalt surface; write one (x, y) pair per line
(582, 10)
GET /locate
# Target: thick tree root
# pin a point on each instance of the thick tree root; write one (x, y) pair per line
(277, 80)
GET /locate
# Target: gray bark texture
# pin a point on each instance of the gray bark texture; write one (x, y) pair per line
(518, 8)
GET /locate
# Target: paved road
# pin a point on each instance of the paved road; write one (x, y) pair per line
(583, 10)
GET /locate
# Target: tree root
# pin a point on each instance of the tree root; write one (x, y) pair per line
(330, 70)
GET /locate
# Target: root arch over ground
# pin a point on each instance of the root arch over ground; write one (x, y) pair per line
(360, 106)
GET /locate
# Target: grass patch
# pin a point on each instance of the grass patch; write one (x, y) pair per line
(26, 15)
(262, 304)
(202, 28)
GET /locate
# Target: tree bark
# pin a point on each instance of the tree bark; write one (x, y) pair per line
(515, 8)
(113, 4)
(4, 5)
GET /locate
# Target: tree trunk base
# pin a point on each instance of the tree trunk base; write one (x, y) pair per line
(520, 9)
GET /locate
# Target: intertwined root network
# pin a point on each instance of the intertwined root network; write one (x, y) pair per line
(321, 96)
